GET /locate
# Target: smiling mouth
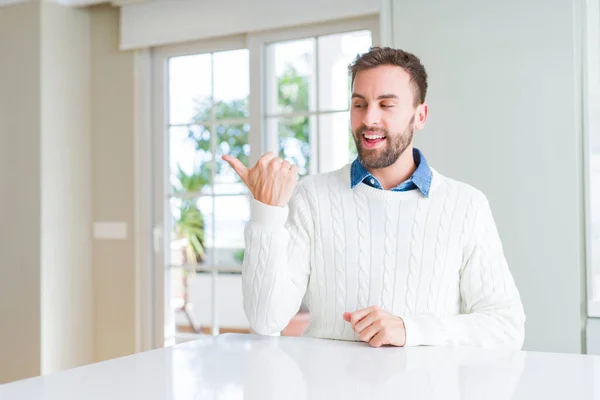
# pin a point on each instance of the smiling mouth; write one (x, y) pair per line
(371, 139)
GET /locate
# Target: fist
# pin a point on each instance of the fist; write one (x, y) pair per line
(271, 181)
(377, 327)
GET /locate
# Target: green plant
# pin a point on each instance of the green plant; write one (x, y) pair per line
(231, 139)
(190, 224)
(293, 96)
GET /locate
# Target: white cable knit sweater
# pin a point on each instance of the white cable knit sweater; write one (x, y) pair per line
(436, 262)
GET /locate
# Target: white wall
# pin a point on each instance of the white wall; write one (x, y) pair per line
(505, 116)
(165, 22)
(112, 76)
(45, 276)
(19, 192)
(67, 295)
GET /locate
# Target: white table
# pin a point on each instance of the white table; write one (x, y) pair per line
(253, 367)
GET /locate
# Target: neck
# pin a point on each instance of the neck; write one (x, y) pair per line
(398, 172)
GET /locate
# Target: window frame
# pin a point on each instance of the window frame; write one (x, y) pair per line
(164, 324)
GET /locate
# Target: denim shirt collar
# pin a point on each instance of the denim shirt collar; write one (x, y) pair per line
(420, 179)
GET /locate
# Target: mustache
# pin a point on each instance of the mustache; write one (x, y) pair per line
(365, 128)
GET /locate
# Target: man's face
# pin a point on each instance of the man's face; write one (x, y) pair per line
(383, 115)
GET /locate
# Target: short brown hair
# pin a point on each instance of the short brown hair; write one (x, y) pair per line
(377, 56)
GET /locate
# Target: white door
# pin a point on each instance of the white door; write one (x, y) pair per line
(201, 205)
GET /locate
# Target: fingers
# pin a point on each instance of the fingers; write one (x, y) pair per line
(369, 332)
(377, 327)
(265, 159)
(269, 160)
(360, 314)
(238, 167)
(366, 321)
(275, 163)
(294, 170)
(378, 340)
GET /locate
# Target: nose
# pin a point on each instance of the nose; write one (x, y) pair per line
(372, 116)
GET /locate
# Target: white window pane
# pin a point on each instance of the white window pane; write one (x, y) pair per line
(230, 311)
(206, 207)
(231, 140)
(294, 140)
(232, 213)
(232, 84)
(191, 233)
(190, 159)
(189, 88)
(336, 52)
(290, 76)
(179, 280)
(334, 141)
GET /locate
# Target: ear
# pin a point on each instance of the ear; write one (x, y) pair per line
(421, 115)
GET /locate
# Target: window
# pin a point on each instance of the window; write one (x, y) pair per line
(286, 91)
(202, 113)
(307, 97)
(208, 117)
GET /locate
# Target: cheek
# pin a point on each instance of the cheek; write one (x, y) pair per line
(355, 120)
(395, 123)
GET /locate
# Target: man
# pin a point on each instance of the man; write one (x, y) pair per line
(387, 250)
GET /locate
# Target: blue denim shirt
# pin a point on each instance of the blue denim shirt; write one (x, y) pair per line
(420, 179)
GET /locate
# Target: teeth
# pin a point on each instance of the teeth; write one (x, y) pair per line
(373, 137)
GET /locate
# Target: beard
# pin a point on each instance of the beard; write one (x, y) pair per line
(395, 145)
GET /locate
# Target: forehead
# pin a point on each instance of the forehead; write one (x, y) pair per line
(385, 79)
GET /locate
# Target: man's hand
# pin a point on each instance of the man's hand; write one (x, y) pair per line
(271, 181)
(377, 327)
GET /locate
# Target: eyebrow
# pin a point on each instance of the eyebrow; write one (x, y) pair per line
(381, 97)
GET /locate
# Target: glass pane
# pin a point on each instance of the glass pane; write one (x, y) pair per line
(183, 300)
(336, 52)
(232, 84)
(294, 144)
(334, 134)
(178, 277)
(232, 140)
(232, 213)
(192, 230)
(189, 88)
(196, 290)
(190, 159)
(290, 77)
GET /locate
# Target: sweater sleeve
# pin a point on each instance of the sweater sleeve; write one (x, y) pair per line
(491, 310)
(276, 263)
